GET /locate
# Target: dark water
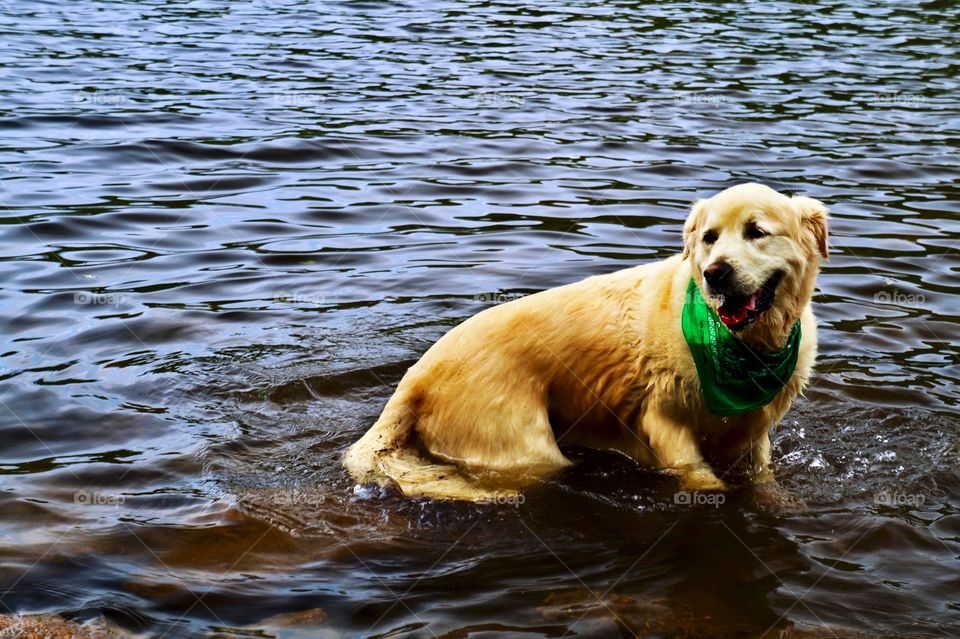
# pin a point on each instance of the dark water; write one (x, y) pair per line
(228, 228)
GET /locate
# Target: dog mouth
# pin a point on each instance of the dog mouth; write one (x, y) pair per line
(738, 312)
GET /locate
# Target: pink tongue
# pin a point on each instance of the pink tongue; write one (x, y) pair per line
(738, 316)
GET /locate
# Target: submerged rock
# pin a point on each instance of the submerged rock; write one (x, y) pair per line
(53, 626)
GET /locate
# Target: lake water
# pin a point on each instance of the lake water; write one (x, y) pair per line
(228, 228)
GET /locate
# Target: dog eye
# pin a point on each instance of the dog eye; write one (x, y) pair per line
(753, 232)
(710, 237)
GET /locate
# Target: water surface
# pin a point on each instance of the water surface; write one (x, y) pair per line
(228, 228)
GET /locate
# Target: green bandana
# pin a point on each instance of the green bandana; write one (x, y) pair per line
(735, 378)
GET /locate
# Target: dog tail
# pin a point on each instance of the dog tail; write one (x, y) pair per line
(389, 454)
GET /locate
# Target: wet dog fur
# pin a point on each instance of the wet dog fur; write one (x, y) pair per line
(603, 363)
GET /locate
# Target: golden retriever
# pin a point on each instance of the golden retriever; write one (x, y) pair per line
(604, 363)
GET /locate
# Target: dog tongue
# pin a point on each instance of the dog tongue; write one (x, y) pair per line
(735, 317)
(732, 318)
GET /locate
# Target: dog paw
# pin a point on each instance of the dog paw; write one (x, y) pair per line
(701, 479)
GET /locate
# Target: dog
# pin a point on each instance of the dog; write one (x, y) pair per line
(620, 362)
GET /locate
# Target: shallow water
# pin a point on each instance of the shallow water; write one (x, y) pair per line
(229, 228)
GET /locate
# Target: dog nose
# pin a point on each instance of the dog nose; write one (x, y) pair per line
(717, 273)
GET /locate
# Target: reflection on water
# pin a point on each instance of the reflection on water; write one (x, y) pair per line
(229, 228)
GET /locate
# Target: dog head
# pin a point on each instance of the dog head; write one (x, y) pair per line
(755, 255)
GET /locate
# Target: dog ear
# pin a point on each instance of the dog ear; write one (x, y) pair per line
(813, 217)
(691, 226)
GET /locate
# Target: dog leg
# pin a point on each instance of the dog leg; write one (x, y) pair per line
(675, 449)
(767, 491)
(760, 469)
